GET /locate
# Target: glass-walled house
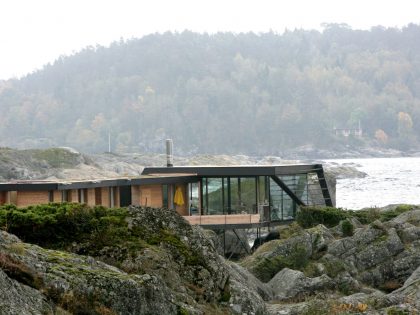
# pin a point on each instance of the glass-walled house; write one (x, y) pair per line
(273, 193)
(209, 195)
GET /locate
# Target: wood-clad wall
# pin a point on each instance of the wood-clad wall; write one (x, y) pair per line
(57, 196)
(135, 195)
(30, 198)
(90, 197)
(105, 196)
(151, 195)
(3, 197)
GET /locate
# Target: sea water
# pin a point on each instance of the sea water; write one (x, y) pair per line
(388, 181)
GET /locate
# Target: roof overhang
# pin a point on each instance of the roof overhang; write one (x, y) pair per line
(221, 171)
(85, 184)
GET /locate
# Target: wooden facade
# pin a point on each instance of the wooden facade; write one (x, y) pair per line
(147, 195)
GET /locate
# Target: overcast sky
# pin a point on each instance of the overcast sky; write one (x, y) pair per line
(35, 32)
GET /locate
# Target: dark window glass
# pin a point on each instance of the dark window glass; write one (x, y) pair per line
(165, 196)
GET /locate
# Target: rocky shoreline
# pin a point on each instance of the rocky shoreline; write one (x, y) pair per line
(66, 164)
(171, 267)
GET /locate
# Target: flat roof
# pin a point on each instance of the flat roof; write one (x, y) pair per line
(37, 185)
(163, 175)
(242, 170)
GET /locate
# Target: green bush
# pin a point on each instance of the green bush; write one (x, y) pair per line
(57, 224)
(333, 268)
(60, 225)
(347, 228)
(367, 216)
(311, 216)
(268, 267)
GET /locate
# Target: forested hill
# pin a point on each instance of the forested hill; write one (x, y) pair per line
(223, 93)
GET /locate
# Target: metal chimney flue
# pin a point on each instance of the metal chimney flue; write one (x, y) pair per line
(169, 153)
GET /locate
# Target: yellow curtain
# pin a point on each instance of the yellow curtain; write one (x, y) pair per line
(179, 197)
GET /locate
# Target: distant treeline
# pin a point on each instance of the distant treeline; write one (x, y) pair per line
(223, 93)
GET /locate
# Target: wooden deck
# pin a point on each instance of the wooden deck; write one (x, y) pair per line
(229, 219)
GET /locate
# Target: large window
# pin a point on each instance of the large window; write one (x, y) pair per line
(243, 195)
(234, 195)
(213, 195)
(249, 195)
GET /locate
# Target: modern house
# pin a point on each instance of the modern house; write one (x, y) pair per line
(211, 196)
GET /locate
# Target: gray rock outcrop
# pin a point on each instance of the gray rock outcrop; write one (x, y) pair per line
(289, 284)
(273, 256)
(410, 291)
(177, 270)
(344, 274)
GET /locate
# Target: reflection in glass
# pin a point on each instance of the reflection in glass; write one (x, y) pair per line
(213, 196)
(249, 194)
(194, 199)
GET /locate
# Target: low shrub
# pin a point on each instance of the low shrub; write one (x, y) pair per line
(367, 216)
(311, 216)
(347, 228)
(333, 268)
(268, 267)
(56, 225)
(88, 230)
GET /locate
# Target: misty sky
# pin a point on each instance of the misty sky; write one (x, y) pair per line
(35, 32)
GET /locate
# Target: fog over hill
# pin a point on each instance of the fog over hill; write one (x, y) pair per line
(255, 94)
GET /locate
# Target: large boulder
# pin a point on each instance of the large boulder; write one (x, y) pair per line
(289, 284)
(77, 283)
(243, 276)
(292, 252)
(247, 293)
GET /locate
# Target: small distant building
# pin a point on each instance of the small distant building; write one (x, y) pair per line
(347, 132)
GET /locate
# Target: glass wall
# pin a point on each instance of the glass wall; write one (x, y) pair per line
(213, 196)
(251, 195)
(194, 198)
(282, 205)
(248, 195)
(233, 195)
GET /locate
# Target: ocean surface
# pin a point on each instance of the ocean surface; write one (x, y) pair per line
(388, 181)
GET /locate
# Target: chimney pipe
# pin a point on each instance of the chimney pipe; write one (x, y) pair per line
(169, 153)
